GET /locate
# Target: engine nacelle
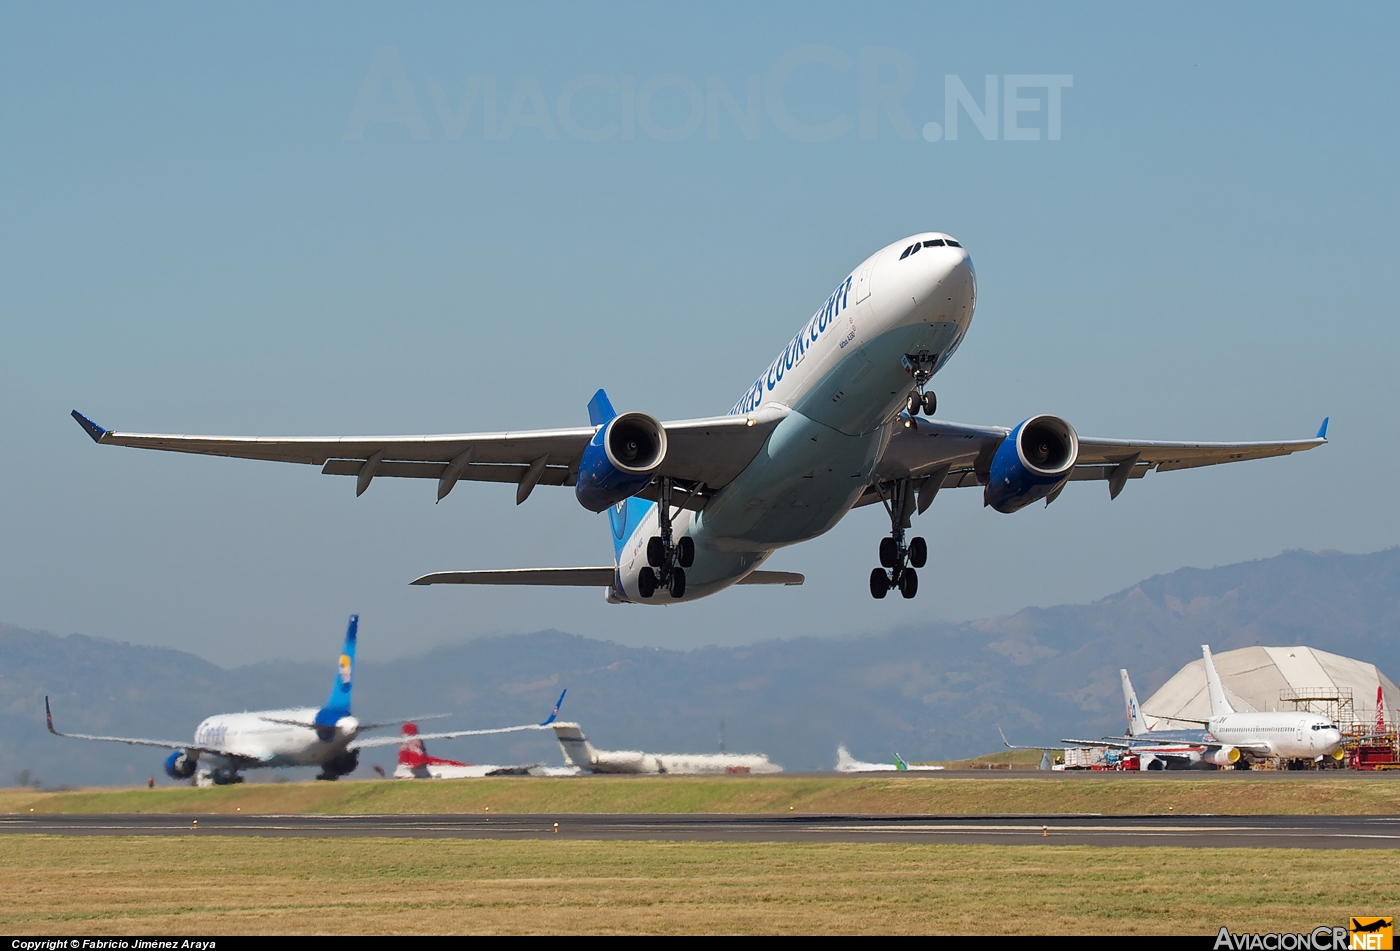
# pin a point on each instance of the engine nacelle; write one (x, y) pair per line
(1225, 756)
(180, 765)
(342, 765)
(619, 460)
(1035, 459)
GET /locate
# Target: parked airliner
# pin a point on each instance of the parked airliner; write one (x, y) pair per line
(1228, 738)
(841, 418)
(580, 753)
(846, 763)
(328, 737)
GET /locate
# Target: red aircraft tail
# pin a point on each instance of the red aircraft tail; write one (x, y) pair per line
(414, 755)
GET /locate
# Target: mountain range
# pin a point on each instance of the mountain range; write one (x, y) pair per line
(931, 691)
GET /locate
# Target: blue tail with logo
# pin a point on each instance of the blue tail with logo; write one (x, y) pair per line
(338, 703)
(625, 516)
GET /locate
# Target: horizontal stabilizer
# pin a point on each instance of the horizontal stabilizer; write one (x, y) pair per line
(571, 577)
(772, 577)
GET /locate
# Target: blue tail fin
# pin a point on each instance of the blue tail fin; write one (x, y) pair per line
(554, 714)
(625, 516)
(338, 703)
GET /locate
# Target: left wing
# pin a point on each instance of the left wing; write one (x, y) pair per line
(939, 455)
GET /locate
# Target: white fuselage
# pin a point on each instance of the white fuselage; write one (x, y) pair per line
(840, 385)
(1287, 735)
(580, 753)
(258, 739)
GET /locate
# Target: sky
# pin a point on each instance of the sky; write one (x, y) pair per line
(384, 219)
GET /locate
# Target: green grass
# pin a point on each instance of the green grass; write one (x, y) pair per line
(60, 885)
(1131, 794)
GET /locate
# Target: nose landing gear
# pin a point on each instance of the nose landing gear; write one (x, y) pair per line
(667, 559)
(898, 560)
(921, 366)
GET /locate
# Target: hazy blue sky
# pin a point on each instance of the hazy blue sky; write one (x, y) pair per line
(204, 233)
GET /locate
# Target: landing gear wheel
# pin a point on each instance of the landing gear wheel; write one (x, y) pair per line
(908, 583)
(889, 552)
(656, 552)
(913, 404)
(685, 549)
(930, 403)
(678, 583)
(646, 582)
(918, 553)
(879, 583)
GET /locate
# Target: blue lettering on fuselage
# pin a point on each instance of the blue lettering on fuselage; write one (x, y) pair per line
(793, 353)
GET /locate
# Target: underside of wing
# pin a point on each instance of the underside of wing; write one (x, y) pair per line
(567, 577)
(448, 735)
(937, 455)
(703, 455)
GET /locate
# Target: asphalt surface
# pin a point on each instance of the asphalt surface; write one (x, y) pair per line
(1312, 832)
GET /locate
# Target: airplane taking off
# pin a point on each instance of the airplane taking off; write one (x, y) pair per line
(1228, 738)
(328, 737)
(846, 763)
(580, 753)
(840, 419)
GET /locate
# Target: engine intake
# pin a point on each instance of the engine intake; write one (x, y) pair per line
(1034, 460)
(180, 765)
(619, 460)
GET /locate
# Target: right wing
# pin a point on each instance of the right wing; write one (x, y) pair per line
(163, 744)
(396, 740)
(702, 455)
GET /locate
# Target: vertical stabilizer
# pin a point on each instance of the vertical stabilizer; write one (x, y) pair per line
(1137, 724)
(338, 703)
(1219, 706)
(899, 762)
(577, 750)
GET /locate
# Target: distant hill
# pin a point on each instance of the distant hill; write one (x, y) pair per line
(930, 692)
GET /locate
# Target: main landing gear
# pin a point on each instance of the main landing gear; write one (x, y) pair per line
(921, 366)
(667, 558)
(898, 560)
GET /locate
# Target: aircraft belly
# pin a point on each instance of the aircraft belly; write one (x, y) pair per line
(805, 478)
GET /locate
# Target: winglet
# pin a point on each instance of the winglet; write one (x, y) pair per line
(1004, 739)
(1322, 430)
(48, 715)
(97, 432)
(899, 763)
(557, 704)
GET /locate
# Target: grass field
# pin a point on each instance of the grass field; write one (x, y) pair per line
(61, 885)
(1122, 795)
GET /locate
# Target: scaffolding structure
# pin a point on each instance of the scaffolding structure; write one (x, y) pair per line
(1335, 703)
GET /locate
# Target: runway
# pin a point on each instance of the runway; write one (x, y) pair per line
(1310, 832)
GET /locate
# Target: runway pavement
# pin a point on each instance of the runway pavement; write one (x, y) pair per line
(1312, 832)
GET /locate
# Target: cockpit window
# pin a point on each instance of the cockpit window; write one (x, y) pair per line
(934, 243)
(953, 244)
(908, 251)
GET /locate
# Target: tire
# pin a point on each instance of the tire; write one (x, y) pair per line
(908, 583)
(646, 582)
(656, 553)
(889, 553)
(879, 583)
(677, 583)
(930, 403)
(686, 550)
(918, 553)
(913, 404)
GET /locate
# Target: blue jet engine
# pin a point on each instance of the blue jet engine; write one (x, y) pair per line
(620, 460)
(180, 765)
(1034, 460)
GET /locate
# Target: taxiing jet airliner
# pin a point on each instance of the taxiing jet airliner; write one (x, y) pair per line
(840, 419)
(846, 763)
(328, 737)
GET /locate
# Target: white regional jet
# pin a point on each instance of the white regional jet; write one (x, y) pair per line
(581, 753)
(328, 737)
(838, 420)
